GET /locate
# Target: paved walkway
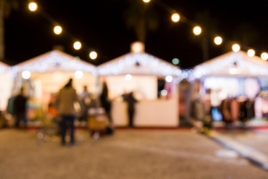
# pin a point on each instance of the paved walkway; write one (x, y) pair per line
(128, 154)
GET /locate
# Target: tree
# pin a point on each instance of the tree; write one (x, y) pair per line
(5, 8)
(141, 17)
(208, 25)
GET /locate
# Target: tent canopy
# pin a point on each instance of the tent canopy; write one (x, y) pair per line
(138, 63)
(231, 64)
(3, 67)
(55, 60)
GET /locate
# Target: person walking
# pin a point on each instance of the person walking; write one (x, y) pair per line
(20, 108)
(65, 101)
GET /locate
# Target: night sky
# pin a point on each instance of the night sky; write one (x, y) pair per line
(100, 25)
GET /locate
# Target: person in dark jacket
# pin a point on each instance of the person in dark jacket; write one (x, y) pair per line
(131, 101)
(106, 102)
(20, 108)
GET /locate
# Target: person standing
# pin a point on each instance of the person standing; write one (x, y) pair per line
(65, 101)
(131, 101)
(106, 102)
(20, 108)
(86, 100)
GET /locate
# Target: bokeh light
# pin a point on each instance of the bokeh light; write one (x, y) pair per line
(175, 61)
(93, 55)
(264, 56)
(128, 77)
(77, 45)
(236, 47)
(169, 78)
(197, 30)
(26, 75)
(175, 17)
(218, 40)
(78, 74)
(251, 52)
(57, 29)
(32, 6)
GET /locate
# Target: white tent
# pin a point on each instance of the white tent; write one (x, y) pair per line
(51, 71)
(231, 64)
(138, 71)
(5, 85)
(54, 68)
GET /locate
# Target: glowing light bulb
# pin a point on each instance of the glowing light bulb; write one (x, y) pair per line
(57, 29)
(236, 47)
(93, 55)
(175, 17)
(251, 52)
(168, 78)
(26, 75)
(78, 74)
(264, 56)
(32, 6)
(128, 77)
(218, 40)
(77, 45)
(197, 30)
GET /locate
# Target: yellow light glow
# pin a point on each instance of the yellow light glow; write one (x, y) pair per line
(93, 55)
(137, 47)
(26, 75)
(236, 47)
(77, 45)
(146, 1)
(78, 74)
(57, 29)
(32, 6)
(197, 30)
(251, 52)
(218, 40)
(128, 77)
(264, 56)
(175, 17)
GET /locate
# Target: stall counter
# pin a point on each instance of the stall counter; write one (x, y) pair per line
(157, 113)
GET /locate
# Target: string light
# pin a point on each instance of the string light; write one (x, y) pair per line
(32, 6)
(77, 45)
(54, 60)
(146, 1)
(197, 30)
(93, 55)
(175, 17)
(251, 52)
(57, 29)
(264, 56)
(218, 40)
(236, 47)
(154, 66)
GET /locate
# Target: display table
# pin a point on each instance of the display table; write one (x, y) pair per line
(158, 113)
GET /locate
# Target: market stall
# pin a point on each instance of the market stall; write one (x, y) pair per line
(5, 85)
(142, 74)
(44, 75)
(233, 75)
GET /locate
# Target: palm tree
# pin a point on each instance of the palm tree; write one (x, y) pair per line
(140, 17)
(208, 25)
(5, 8)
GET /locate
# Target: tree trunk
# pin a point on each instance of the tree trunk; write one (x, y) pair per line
(2, 30)
(205, 47)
